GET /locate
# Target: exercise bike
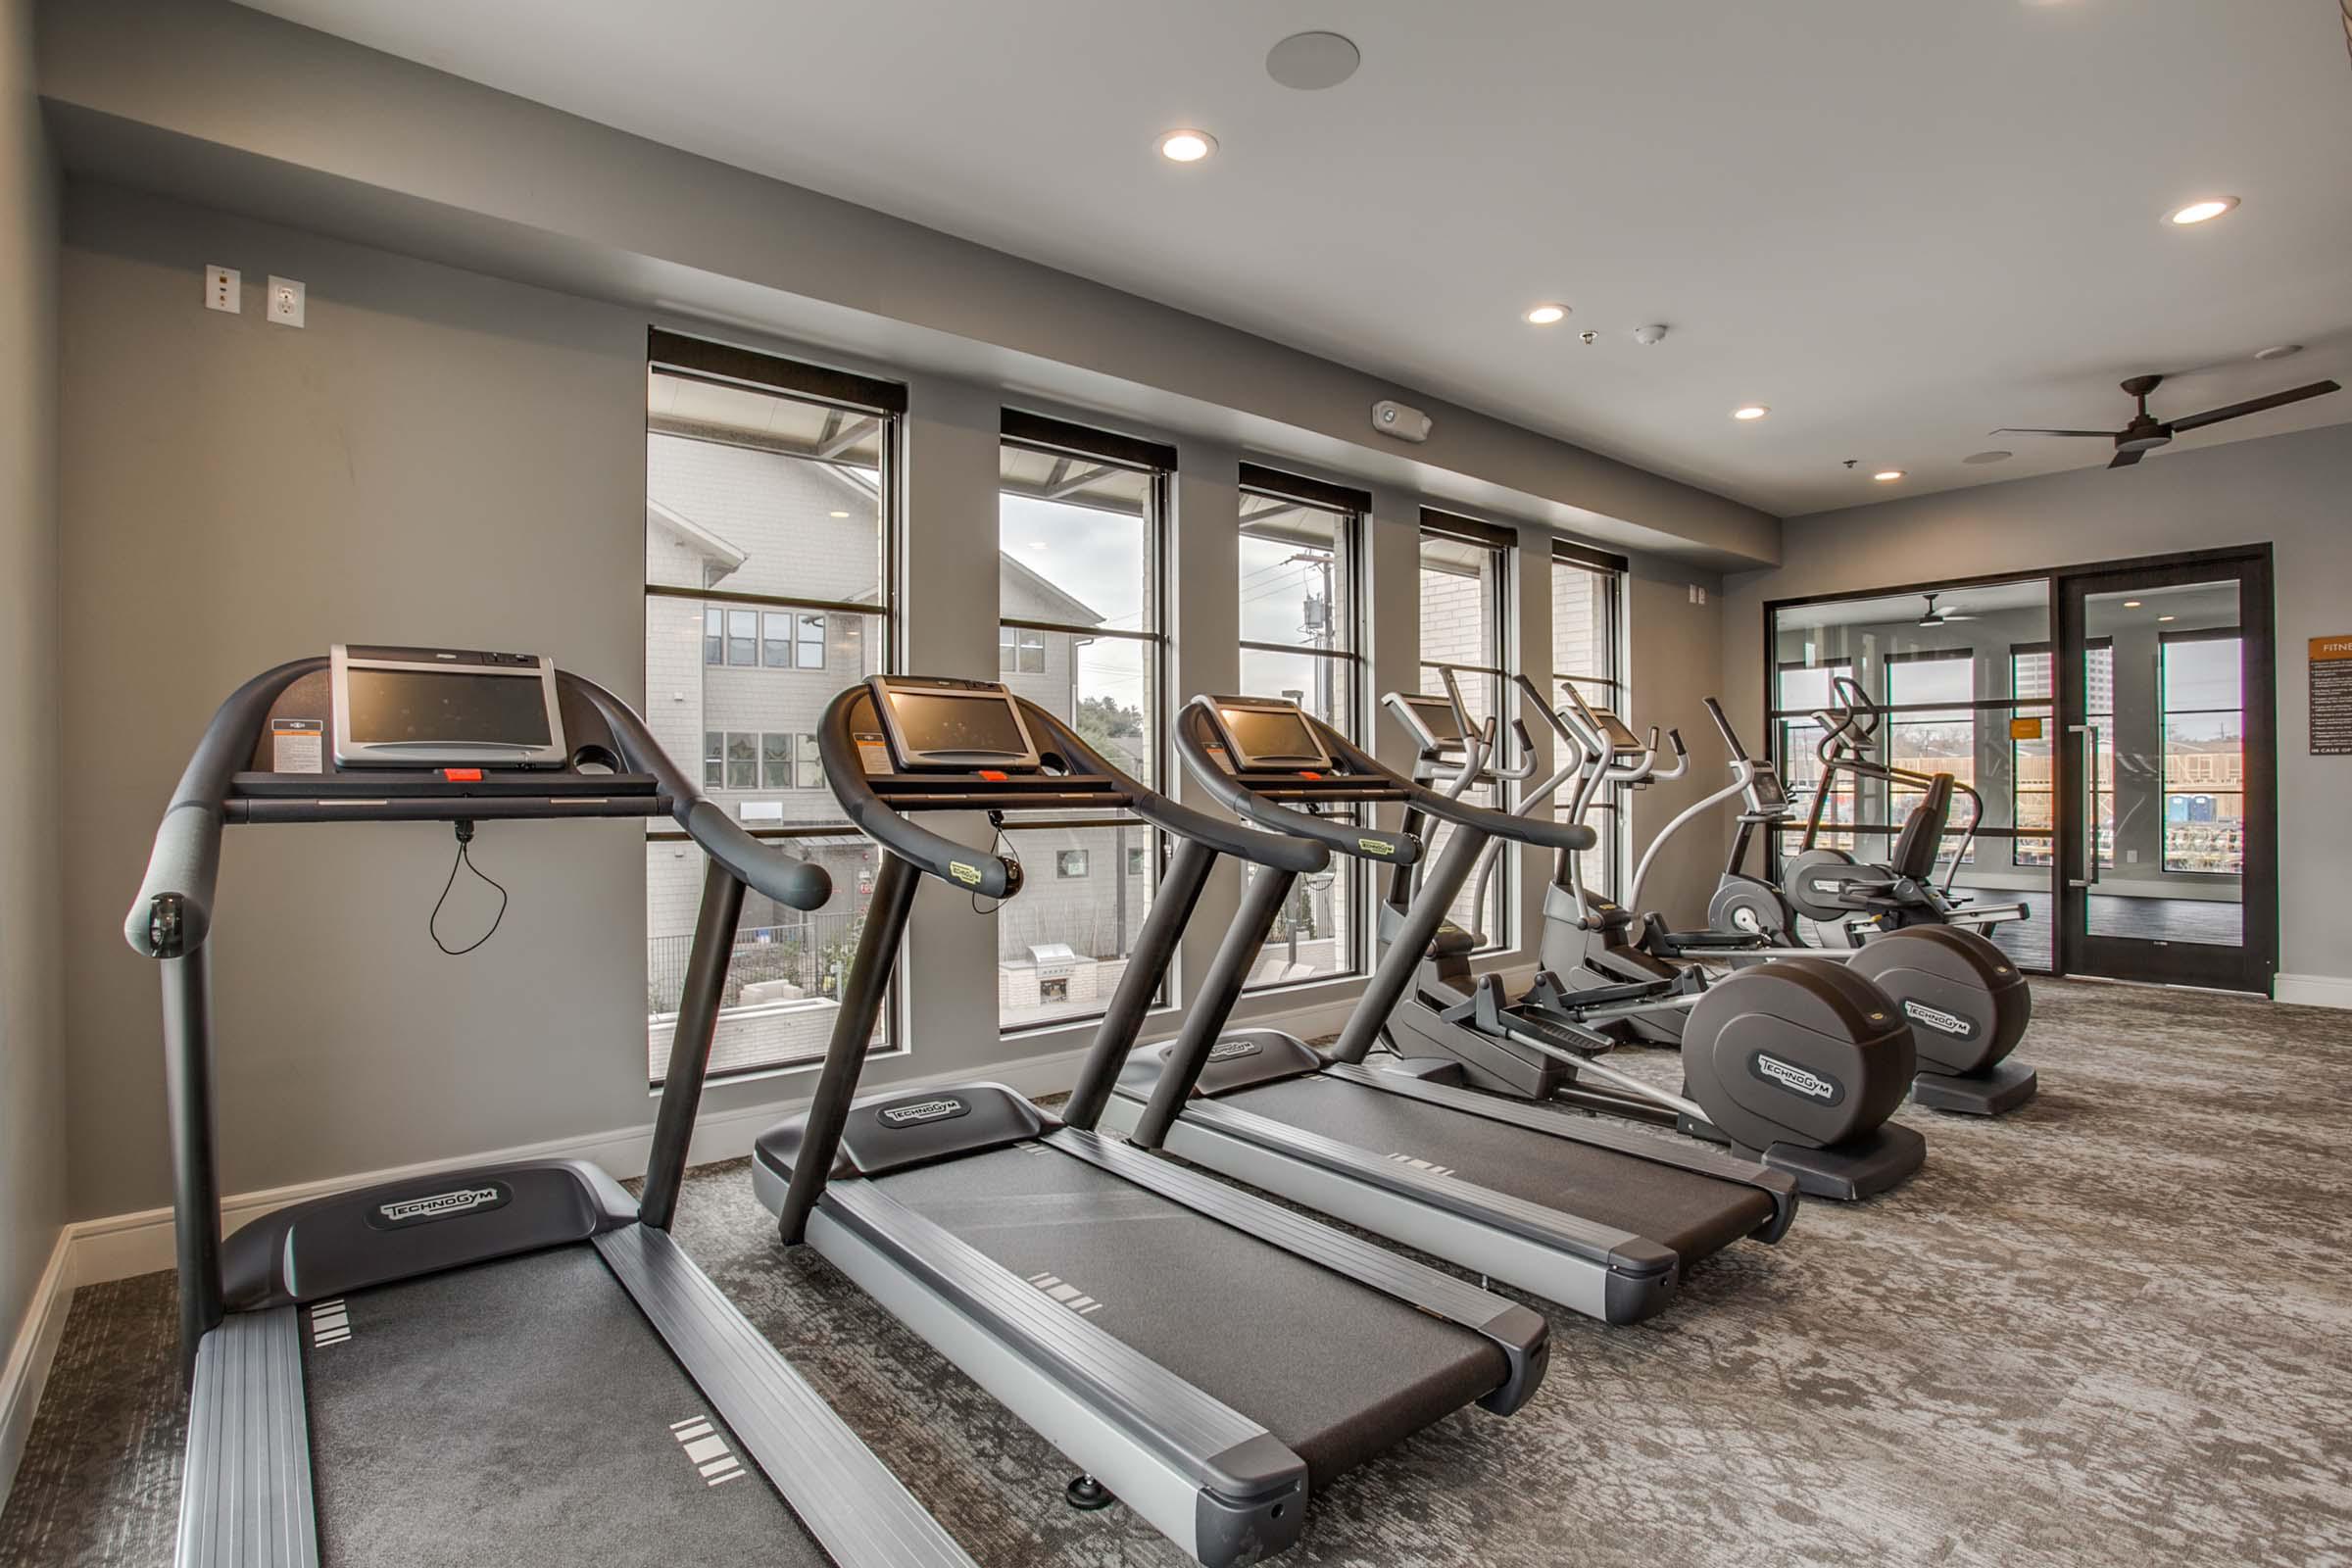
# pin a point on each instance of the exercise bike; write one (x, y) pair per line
(1796, 1064)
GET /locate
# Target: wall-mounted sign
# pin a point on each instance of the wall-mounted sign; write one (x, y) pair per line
(2024, 729)
(2331, 696)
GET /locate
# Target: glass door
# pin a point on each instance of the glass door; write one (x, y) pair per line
(2167, 823)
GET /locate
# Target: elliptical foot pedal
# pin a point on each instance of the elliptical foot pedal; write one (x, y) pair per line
(1860, 1167)
(1088, 1494)
(1997, 1089)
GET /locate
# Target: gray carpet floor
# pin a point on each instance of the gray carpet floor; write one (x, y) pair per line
(2115, 1327)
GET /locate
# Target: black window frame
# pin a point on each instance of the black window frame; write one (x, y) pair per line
(854, 396)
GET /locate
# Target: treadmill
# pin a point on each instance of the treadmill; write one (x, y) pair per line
(513, 1363)
(1206, 1355)
(1597, 1217)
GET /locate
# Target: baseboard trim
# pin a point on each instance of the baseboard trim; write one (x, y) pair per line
(30, 1356)
(119, 1245)
(2314, 990)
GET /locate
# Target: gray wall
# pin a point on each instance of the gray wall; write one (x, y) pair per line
(2289, 490)
(246, 111)
(431, 439)
(33, 1188)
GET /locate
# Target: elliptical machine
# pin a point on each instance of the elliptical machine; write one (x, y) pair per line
(1968, 1005)
(1795, 1065)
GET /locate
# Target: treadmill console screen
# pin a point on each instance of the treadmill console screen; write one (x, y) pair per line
(435, 707)
(1271, 735)
(396, 706)
(956, 726)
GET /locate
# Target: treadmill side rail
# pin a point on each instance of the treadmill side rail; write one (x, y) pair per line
(245, 1497)
(1207, 1477)
(860, 1512)
(1520, 1334)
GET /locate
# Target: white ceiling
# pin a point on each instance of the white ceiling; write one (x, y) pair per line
(1898, 224)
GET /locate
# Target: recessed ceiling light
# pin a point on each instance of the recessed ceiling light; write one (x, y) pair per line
(1187, 146)
(1546, 315)
(2279, 350)
(2130, 603)
(2168, 617)
(838, 513)
(1997, 455)
(1753, 410)
(2200, 212)
(1887, 476)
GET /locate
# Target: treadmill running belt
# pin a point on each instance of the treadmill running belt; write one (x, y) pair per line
(523, 1413)
(1696, 1215)
(1336, 1371)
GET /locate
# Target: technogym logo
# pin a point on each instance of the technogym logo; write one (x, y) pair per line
(1935, 1018)
(1795, 1079)
(438, 1206)
(922, 1111)
(1227, 1049)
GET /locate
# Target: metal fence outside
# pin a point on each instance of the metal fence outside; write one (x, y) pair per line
(813, 954)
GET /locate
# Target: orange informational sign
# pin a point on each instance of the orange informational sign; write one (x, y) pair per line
(2331, 696)
(2024, 729)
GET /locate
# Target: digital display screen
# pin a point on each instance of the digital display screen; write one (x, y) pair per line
(1438, 716)
(1264, 737)
(948, 724)
(449, 707)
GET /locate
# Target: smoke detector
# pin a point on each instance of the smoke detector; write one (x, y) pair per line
(1648, 335)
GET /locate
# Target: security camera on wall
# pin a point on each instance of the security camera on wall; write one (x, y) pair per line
(1391, 418)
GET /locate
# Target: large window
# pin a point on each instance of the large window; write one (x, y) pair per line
(1802, 686)
(1465, 620)
(767, 531)
(2201, 692)
(1303, 638)
(1922, 737)
(1588, 617)
(1081, 594)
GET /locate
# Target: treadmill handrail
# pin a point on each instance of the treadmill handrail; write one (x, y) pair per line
(1355, 761)
(172, 916)
(1000, 877)
(1365, 842)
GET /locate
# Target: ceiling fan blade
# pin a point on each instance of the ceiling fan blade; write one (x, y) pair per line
(2125, 460)
(1957, 615)
(2105, 435)
(2277, 400)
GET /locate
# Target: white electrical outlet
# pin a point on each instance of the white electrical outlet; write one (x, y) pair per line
(223, 290)
(285, 301)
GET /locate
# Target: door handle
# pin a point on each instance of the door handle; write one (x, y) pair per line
(2090, 804)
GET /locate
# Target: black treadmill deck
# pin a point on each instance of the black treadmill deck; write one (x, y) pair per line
(523, 1413)
(1337, 1373)
(1694, 1214)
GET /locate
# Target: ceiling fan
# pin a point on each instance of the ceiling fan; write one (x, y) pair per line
(1938, 617)
(2145, 433)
